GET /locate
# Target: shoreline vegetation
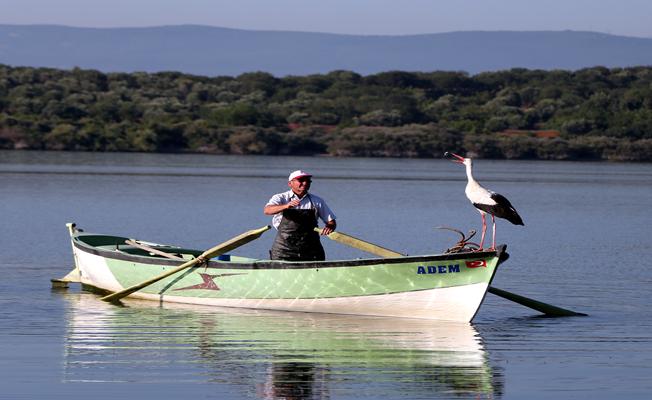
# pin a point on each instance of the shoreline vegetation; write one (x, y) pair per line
(589, 114)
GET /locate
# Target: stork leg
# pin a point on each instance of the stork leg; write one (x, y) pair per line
(493, 233)
(484, 229)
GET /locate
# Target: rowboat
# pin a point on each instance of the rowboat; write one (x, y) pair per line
(449, 287)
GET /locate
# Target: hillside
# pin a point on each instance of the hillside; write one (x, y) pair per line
(589, 114)
(212, 51)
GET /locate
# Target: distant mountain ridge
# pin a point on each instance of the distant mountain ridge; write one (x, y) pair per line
(213, 51)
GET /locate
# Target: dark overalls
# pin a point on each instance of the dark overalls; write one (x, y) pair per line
(296, 239)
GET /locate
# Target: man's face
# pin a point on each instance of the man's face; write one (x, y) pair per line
(300, 186)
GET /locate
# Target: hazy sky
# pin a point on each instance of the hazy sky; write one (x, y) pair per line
(391, 17)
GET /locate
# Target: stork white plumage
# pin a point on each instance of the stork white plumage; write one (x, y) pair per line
(486, 201)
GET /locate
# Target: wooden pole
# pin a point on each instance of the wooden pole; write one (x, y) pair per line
(361, 244)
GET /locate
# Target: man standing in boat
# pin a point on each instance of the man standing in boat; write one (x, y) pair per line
(295, 216)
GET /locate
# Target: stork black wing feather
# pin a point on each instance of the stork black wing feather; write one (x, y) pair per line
(505, 209)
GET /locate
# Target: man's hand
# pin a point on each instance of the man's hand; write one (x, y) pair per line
(293, 203)
(275, 209)
(330, 227)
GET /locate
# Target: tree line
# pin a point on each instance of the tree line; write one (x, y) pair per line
(589, 114)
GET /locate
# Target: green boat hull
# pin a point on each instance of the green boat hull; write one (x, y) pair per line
(445, 286)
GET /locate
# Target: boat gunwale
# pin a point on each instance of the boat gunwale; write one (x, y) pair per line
(78, 243)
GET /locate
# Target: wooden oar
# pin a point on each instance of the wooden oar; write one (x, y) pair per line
(548, 309)
(152, 250)
(205, 256)
(361, 244)
(544, 308)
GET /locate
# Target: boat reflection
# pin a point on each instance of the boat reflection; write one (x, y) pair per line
(262, 354)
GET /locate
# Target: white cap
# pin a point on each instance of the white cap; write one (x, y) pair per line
(298, 174)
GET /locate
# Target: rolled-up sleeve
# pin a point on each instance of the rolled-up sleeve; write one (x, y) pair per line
(325, 213)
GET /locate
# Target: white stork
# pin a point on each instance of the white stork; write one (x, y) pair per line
(486, 201)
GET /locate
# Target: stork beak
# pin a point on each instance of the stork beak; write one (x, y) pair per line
(449, 155)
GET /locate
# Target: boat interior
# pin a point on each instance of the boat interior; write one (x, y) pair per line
(148, 249)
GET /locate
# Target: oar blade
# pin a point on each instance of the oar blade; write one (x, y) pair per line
(114, 297)
(547, 309)
(222, 248)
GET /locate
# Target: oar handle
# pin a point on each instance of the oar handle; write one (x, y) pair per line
(361, 244)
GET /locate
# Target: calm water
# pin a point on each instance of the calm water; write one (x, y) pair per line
(585, 246)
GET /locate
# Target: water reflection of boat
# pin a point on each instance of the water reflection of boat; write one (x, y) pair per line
(272, 354)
